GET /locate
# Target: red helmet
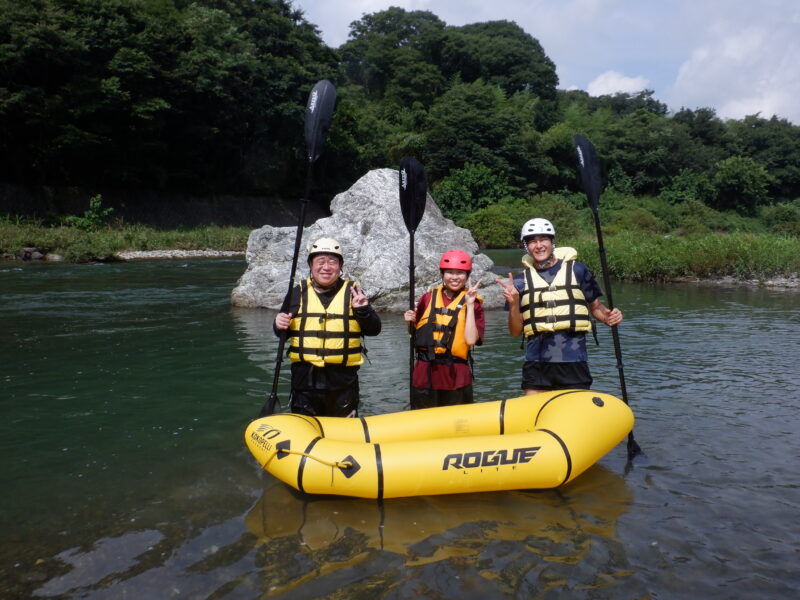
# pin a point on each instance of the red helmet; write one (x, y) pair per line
(456, 259)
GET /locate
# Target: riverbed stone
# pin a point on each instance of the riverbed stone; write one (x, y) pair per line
(368, 223)
(30, 254)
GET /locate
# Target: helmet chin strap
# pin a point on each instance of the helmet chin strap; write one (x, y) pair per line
(551, 260)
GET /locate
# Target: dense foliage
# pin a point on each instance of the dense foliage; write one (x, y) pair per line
(154, 93)
(208, 95)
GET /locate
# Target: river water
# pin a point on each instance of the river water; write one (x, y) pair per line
(126, 389)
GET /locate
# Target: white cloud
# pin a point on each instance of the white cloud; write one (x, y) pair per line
(742, 70)
(612, 82)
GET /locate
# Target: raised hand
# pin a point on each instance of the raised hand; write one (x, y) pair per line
(358, 298)
(510, 291)
(472, 291)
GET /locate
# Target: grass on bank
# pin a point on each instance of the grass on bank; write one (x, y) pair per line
(636, 256)
(647, 239)
(632, 255)
(83, 244)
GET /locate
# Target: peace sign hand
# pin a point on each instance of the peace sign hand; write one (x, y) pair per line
(358, 298)
(510, 291)
(472, 291)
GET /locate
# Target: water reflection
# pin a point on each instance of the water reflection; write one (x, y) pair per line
(489, 540)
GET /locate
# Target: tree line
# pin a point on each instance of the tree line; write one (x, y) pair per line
(209, 96)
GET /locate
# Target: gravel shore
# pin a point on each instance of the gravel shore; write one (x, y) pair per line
(150, 254)
(790, 282)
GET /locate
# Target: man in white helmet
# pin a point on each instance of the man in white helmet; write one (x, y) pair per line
(552, 302)
(327, 319)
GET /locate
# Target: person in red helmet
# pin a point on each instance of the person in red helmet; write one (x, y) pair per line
(446, 324)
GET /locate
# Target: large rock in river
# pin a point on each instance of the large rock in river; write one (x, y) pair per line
(367, 221)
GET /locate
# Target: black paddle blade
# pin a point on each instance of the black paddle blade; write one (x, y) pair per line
(589, 167)
(270, 405)
(319, 114)
(634, 449)
(413, 191)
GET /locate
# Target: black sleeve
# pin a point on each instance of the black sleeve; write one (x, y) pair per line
(294, 305)
(368, 320)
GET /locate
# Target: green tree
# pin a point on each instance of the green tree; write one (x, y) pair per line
(468, 189)
(386, 40)
(741, 185)
(710, 133)
(648, 148)
(501, 53)
(157, 93)
(687, 185)
(476, 123)
(775, 144)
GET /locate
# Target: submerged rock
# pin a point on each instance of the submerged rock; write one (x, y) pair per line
(367, 221)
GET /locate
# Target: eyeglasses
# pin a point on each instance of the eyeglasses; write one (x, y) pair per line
(319, 261)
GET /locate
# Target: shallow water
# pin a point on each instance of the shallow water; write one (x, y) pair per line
(126, 389)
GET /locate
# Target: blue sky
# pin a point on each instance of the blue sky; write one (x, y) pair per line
(739, 57)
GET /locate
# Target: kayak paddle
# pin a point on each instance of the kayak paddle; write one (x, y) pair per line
(319, 114)
(413, 194)
(589, 167)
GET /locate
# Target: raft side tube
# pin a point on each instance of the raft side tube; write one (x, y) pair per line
(588, 423)
(549, 439)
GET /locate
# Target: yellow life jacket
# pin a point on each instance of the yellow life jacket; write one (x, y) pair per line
(442, 337)
(557, 306)
(325, 336)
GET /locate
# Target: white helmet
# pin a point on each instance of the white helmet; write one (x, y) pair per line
(325, 246)
(537, 227)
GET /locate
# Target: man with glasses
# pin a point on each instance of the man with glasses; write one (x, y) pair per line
(551, 302)
(327, 319)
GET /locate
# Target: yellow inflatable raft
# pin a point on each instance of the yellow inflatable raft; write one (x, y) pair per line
(532, 442)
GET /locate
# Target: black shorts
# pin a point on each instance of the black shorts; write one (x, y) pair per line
(429, 398)
(324, 392)
(556, 376)
(325, 403)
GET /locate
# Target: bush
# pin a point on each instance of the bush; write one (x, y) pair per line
(741, 184)
(92, 218)
(498, 225)
(783, 218)
(688, 185)
(469, 189)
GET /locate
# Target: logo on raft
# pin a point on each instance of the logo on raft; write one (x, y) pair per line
(489, 458)
(263, 434)
(267, 431)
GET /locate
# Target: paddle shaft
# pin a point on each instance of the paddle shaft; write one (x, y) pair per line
(411, 295)
(632, 446)
(413, 195)
(269, 407)
(610, 298)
